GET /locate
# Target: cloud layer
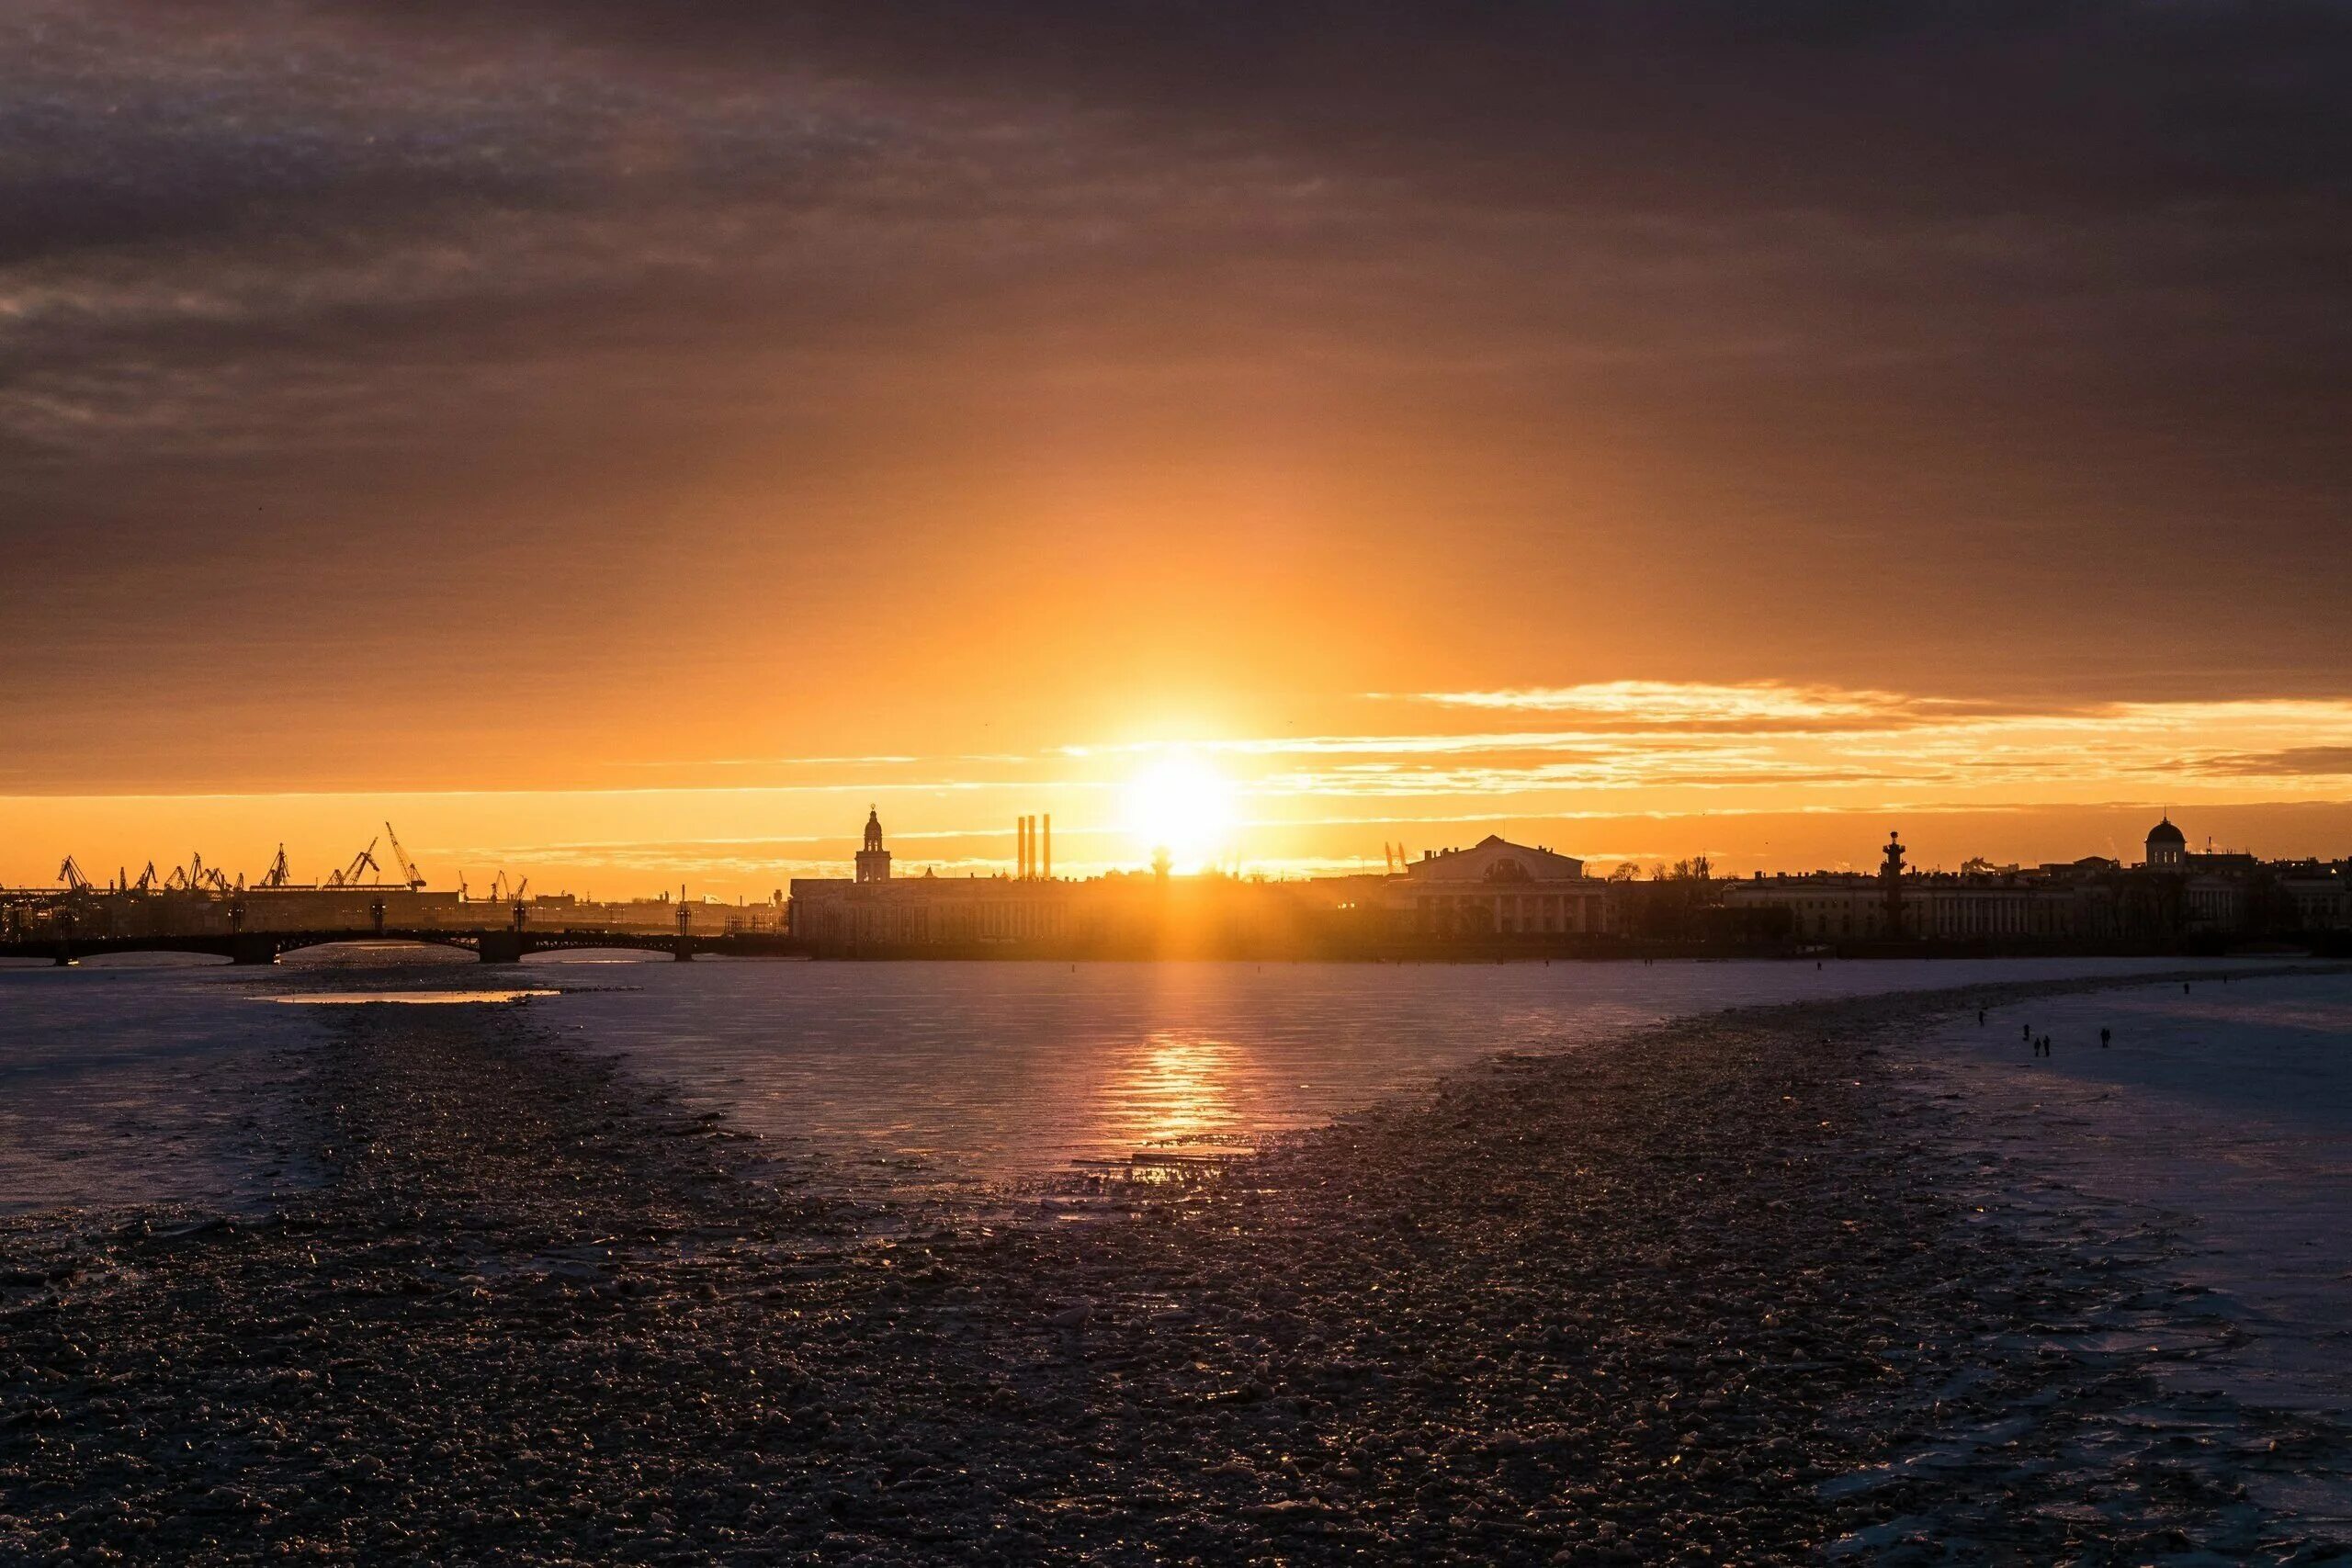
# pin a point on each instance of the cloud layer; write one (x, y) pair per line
(1859, 403)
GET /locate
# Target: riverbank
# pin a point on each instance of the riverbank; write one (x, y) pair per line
(1711, 1292)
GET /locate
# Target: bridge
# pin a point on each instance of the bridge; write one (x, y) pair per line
(492, 944)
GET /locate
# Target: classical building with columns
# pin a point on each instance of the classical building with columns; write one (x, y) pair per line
(1494, 888)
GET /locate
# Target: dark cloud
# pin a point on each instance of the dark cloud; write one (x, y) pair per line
(1931, 106)
(1811, 336)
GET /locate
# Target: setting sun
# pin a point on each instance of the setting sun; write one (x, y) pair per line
(1182, 805)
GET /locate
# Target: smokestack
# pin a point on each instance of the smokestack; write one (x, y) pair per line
(1021, 852)
(1045, 852)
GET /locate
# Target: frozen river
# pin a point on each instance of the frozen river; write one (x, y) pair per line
(123, 1084)
(2215, 1131)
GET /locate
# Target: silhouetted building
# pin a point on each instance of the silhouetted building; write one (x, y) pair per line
(873, 860)
(1829, 906)
(1494, 888)
(874, 911)
(2173, 894)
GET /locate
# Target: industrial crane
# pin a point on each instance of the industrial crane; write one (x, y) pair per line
(348, 876)
(410, 875)
(196, 876)
(148, 881)
(71, 874)
(279, 874)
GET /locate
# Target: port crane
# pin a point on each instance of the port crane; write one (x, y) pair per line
(69, 873)
(364, 861)
(410, 877)
(279, 873)
(195, 876)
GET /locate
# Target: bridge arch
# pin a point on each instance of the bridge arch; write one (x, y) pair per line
(605, 952)
(42, 955)
(301, 941)
(492, 945)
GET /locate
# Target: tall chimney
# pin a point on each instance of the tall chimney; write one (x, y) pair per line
(1020, 848)
(1046, 852)
(1023, 871)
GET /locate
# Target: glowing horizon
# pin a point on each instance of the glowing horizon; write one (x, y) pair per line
(1638, 771)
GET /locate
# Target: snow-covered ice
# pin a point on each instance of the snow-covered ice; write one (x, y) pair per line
(2218, 1126)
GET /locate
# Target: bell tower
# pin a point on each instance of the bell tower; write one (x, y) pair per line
(873, 860)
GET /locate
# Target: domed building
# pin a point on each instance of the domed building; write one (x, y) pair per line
(2167, 846)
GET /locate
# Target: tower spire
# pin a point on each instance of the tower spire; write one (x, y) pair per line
(873, 860)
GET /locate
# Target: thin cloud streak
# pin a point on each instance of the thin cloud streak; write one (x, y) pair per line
(1736, 702)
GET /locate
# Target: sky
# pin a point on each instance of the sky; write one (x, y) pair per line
(623, 441)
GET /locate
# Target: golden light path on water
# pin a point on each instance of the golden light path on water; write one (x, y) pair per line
(405, 999)
(1174, 1090)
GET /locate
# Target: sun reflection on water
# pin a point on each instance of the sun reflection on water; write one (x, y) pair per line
(1176, 1088)
(406, 999)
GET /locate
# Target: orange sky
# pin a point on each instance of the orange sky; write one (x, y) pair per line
(620, 444)
(1757, 775)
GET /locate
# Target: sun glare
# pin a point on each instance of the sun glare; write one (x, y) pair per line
(1185, 806)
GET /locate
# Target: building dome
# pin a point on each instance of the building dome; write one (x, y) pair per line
(2167, 846)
